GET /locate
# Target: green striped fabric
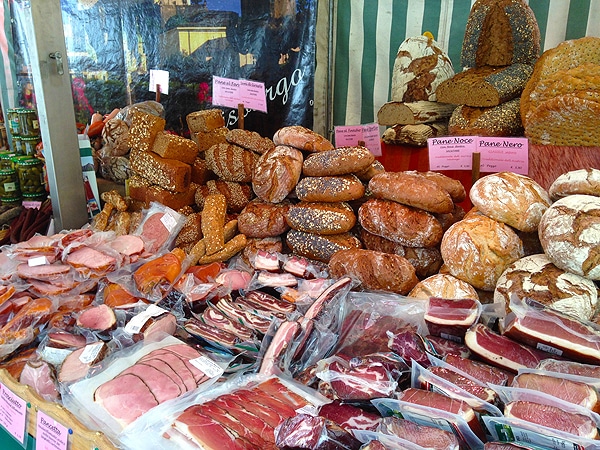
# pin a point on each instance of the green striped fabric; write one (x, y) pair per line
(368, 34)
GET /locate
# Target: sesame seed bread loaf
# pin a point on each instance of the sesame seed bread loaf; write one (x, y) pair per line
(167, 173)
(581, 181)
(206, 139)
(318, 246)
(321, 217)
(375, 168)
(172, 146)
(200, 172)
(143, 129)
(495, 121)
(174, 200)
(338, 161)
(340, 188)
(277, 172)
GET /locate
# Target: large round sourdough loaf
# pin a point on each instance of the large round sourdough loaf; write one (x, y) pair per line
(261, 219)
(537, 278)
(443, 286)
(478, 249)
(276, 173)
(581, 181)
(570, 234)
(513, 199)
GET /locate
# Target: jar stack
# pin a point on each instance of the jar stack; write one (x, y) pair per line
(24, 128)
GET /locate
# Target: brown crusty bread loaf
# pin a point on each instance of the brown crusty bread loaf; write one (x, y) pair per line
(174, 200)
(449, 219)
(172, 146)
(368, 173)
(301, 138)
(137, 186)
(167, 173)
(452, 186)
(485, 86)
(405, 225)
(321, 217)
(339, 161)
(250, 140)
(414, 134)
(413, 113)
(206, 139)
(237, 195)
(443, 286)
(375, 270)
(205, 120)
(510, 198)
(277, 172)
(231, 162)
(581, 181)
(200, 172)
(412, 189)
(143, 129)
(478, 249)
(500, 33)
(261, 219)
(501, 120)
(115, 135)
(340, 188)
(191, 231)
(319, 247)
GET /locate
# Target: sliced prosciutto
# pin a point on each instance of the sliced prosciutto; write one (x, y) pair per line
(481, 371)
(422, 435)
(350, 417)
(450, 318)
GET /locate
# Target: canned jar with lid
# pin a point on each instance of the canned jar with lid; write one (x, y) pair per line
(6, 160)
(31, 176)
(9, 184)
(28, 122)
(18, 146)
(35, 197)
(13, 121)
(29, 145)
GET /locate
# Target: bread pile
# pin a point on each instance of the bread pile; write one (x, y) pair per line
(500, 47)
(560, 104)
(413, 114)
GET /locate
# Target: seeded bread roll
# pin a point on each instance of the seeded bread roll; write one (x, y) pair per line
(537, 278)
(341, 188)
(412, 189)
(250, 140)
(237, 195)
(276, 173)
(495, 121)
(478, 249)
(582, 181)
(339, 161)
(485, 86)
(321, 217)
(167, 173)
(263, 219)
(569, 234)
(319, 247)
(405, 225)
(231, 162)
(205, 120)
(375, 270)
(443, 286)
(513, 199)
(302, 138)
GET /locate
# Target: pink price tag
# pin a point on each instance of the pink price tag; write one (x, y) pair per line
(504, 154)
(451, 152)
(253, 95)
(226, 92)
(351, 135)
(50, 435)
(13, 413)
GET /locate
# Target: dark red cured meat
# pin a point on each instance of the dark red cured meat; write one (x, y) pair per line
(480, 370)
(282, 408)
(277, 389)
(442, 347)
(154, 232)
(314, 433)
(360, 382)
(422, 435)
(408, 344)
(473, 388)
(266, 414)
(71, 237)
(269, 302)
(349, 416)
(500, 350)
(450, 317)
(249, 420)
(63, 339)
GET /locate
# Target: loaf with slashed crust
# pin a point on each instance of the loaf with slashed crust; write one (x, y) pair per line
(250, 140)
(276, 173)
(339, 161)
(261, 219)
(340, 188)
(412, 189)
(403, 224)
(375, 270)
(237, 195)
(231, 162)
(321, 217)
(581, 181)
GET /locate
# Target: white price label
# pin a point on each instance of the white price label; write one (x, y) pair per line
(90, 352)
(207, 365)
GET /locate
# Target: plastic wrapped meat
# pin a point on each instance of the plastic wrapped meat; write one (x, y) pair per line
(305, 432)
(423, 435)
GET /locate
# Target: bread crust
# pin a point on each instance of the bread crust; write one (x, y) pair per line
(339, 161)
(340, 188)
(320, 247)
(324, 218)
(277, 172)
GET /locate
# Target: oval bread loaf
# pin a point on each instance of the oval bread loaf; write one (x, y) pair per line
(341, 188)
(339, 161)
(399, 223)
(301, 138)
(321, 217)
(250, 140)
(511, 198)
(375, 270)
(237, 195)
(582, 181)
(231, 162)
(412, 189)
(368, 173)
(478, 249)
(319, 247)
(443, 286)
(263, 219)
(453, 187)
(277, 172)
(570, 234)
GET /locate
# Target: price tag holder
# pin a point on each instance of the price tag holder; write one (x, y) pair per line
(349, 136)
(504, 154)
(50, 434)
(159, 78)
(13, 414)
(452, 152)
(253, 95)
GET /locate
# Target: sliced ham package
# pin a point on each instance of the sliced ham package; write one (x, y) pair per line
(396, 433)
(451, 318)
(159, 227)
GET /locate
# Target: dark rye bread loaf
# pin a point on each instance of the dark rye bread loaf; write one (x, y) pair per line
(485, 86)
(231, 162)
(375, 270)
(412, 189)
(496, 121)
(500, 33)
(321, 217)
(405, 225)
(277, 172)
(339, 161)
(261, 219)
(340, 188)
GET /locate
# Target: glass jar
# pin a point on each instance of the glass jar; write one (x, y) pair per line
(35, 197)
(31, 176)
(28, 122)
(13, 121)
(11, 201)
(9, 184)
(18, 147)
(29, 145)
(6, 160)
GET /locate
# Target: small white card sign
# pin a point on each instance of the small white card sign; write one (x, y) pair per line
(230, 93)
(50, 434)
(13, 413)
(351, 135)
(160, 77)
(451, 152)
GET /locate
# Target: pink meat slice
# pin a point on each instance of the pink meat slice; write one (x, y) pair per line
(154, 232)
(44, 272)
(92, 259)
(162, 386)
(176, 365)
(128, 244)
(277, 389)
(99, 317)
(250, 421)
(185, 353)
(125, 398)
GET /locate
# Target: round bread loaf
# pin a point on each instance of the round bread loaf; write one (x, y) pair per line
(513, 199)
(537, 278)
(478, 249)
(426, 261)
(368, 173)
(570, 234)
(250, 140)
(319, 247)
(341, 188)
(115, 134)
(321, 217)
(237, 195)
(453, 187)
(231, 162)
(405, 225)
(582, 181)
(443, 286)
(302, 138)
(263, 219)
(339, 161)
(375, 270)
(501, 120)
(448, 219)
(412, 189)
(276, 173)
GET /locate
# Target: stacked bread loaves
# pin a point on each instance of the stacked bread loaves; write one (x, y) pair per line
(500, 47)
